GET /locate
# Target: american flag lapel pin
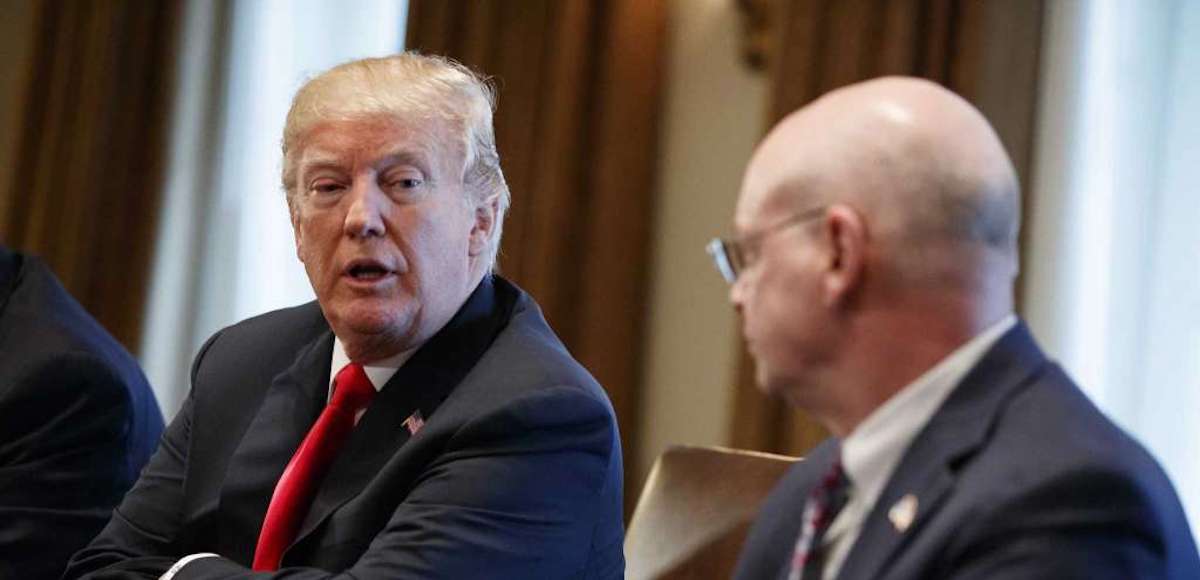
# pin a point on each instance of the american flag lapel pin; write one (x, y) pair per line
(414, 422)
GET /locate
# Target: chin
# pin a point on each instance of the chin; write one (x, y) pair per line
(767, 382)
(377, 319)
(772, 383)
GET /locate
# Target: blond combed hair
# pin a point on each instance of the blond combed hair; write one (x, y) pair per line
(405, 86)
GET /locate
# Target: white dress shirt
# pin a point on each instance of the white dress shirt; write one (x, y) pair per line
(379, 372)
(871, 452)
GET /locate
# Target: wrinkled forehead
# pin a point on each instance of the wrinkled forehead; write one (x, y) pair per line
(369, 138)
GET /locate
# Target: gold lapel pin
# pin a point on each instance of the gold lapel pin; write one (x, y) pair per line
(903, 512)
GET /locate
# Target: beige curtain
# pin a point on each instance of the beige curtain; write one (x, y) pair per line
(579, 86)
(87, 159)
(985, 51)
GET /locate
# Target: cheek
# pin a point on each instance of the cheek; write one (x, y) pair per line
(437, 242)
(316, 245)
(781, 308)
(770, 295)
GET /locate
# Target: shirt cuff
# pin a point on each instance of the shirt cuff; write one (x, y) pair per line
(184, 561)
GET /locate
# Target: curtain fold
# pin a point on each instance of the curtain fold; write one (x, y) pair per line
(85, 186)
(985, 51)
(579, 85)
(1114, 295)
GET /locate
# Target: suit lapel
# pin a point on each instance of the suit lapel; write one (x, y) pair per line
(420, 385)
(289, 407)
(376, 439)
(928, 471)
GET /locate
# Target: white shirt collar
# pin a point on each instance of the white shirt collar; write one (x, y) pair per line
(870, 453)
(380, 371)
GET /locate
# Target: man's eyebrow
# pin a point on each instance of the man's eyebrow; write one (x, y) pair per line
(417, 159)
(320, 160)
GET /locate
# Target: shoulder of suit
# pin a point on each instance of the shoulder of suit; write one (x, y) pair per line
(525, 361)
(531, 350)
(286, 325)
(1052, 448)
(42, 321)
(1051, 429)
(307, 314)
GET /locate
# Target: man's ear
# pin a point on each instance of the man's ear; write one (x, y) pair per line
(844, 234)
(484, 224)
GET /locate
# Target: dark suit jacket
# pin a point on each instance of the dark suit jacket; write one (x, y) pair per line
(1017, 476)
(77, 422)
(516, 473)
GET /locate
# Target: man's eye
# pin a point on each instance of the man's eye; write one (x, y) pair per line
(325, 187)
(406, 183)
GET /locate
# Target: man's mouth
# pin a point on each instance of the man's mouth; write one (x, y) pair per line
(366, 270)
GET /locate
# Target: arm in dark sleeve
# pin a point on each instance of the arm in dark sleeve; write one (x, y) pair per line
(1086, 525)
(64, 428)
(520, 493)
(138, 541)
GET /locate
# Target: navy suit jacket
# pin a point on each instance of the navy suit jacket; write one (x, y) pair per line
(77, 422)
(1016, 476)
(516, 473)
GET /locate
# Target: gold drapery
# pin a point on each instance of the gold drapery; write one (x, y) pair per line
(985, 51)
(579, 85)
(85, 184)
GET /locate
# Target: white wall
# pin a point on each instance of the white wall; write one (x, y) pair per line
(1112, 285)
(225, 250)
(714, 112)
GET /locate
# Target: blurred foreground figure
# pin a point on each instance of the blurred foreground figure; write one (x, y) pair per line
(77, 421)
(873, 269)
(420, 419)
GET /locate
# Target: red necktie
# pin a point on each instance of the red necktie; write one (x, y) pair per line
(352, 392)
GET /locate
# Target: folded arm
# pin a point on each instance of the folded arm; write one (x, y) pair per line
(65, 424)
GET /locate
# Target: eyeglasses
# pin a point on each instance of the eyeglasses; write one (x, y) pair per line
(733, 255)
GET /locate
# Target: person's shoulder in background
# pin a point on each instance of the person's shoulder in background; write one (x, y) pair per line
(78, 420)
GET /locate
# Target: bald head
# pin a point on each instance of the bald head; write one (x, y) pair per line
(922, 165)
(876, 225)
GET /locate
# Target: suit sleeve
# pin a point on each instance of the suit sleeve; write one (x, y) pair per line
(64, 428)
(145, 526)
(1087, 525)
(519, 493)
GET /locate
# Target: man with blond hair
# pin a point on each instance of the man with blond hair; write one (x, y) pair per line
(420, 419)
(873, 269)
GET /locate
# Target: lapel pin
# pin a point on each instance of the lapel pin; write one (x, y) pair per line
(414, 422)
(903, 512)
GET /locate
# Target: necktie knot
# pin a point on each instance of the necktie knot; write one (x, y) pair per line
(352, 390)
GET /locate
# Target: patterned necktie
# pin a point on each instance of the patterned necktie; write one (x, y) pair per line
(352, 392)
(822, 506)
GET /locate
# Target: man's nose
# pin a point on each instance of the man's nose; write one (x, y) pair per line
(364, 217)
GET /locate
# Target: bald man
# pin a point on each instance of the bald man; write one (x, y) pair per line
(873, 266)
